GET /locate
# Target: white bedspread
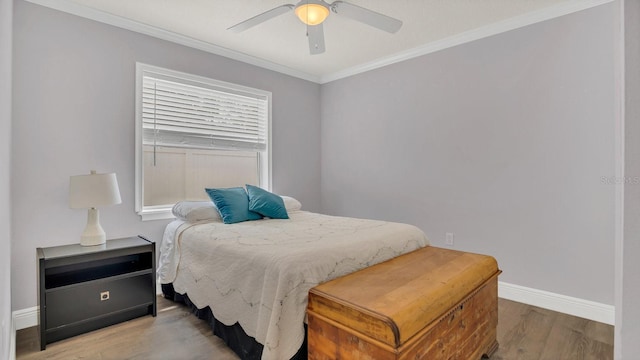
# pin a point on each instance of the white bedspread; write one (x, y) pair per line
(258, 273)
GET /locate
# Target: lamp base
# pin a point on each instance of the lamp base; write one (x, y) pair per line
(92, 240)
(93, 234)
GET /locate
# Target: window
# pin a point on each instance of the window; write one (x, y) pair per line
(193, 132)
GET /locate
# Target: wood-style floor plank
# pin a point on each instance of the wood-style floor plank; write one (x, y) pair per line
(174, 334)
(524, 333)
(531, 333)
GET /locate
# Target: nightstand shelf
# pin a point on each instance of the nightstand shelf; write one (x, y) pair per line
(84, 288)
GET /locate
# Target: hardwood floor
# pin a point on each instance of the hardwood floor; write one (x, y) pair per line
(524, 333)
(527, 332)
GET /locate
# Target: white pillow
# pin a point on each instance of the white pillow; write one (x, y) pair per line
(193, 211)
(291, 204)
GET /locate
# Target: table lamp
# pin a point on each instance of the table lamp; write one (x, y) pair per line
(90, 192)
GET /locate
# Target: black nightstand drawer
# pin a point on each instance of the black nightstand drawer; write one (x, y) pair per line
(96, 298)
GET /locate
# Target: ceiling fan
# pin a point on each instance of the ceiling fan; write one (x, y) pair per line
(314, 12)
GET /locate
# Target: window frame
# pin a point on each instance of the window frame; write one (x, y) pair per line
(159, 212)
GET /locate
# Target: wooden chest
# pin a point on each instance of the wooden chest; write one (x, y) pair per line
(432, 303)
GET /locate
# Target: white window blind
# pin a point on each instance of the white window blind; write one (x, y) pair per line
(194, 132)
(184, 115)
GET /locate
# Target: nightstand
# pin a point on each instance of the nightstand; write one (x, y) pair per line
(84, 288)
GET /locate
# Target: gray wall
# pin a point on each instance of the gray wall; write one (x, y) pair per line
(6, 13)
(628, 296)
(73, 103)
(507, 142)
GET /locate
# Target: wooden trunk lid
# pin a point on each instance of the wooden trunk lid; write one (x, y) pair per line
(392, 301)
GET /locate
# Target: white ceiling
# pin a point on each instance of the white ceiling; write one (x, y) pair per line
(428, 25)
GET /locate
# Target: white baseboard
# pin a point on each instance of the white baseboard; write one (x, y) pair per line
(561, 303)
(25, 318)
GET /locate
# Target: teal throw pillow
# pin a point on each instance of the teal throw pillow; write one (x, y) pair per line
(233, 205)
(266, 203)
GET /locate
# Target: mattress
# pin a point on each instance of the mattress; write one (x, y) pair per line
(258, 273)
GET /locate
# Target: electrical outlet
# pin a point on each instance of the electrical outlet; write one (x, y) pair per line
(448, 239)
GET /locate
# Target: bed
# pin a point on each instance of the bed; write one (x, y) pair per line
(256, 275)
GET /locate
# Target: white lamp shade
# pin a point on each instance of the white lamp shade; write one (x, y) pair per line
(93, 190)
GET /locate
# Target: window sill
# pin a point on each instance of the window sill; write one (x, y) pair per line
(156, 214)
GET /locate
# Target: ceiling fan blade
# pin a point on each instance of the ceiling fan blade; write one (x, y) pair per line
(316, 39)
(369, 17)
(260, 18)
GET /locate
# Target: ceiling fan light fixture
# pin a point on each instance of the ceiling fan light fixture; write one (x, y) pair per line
(312, 12)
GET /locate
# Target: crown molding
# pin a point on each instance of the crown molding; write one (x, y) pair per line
(472, 35)
(468, 36)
